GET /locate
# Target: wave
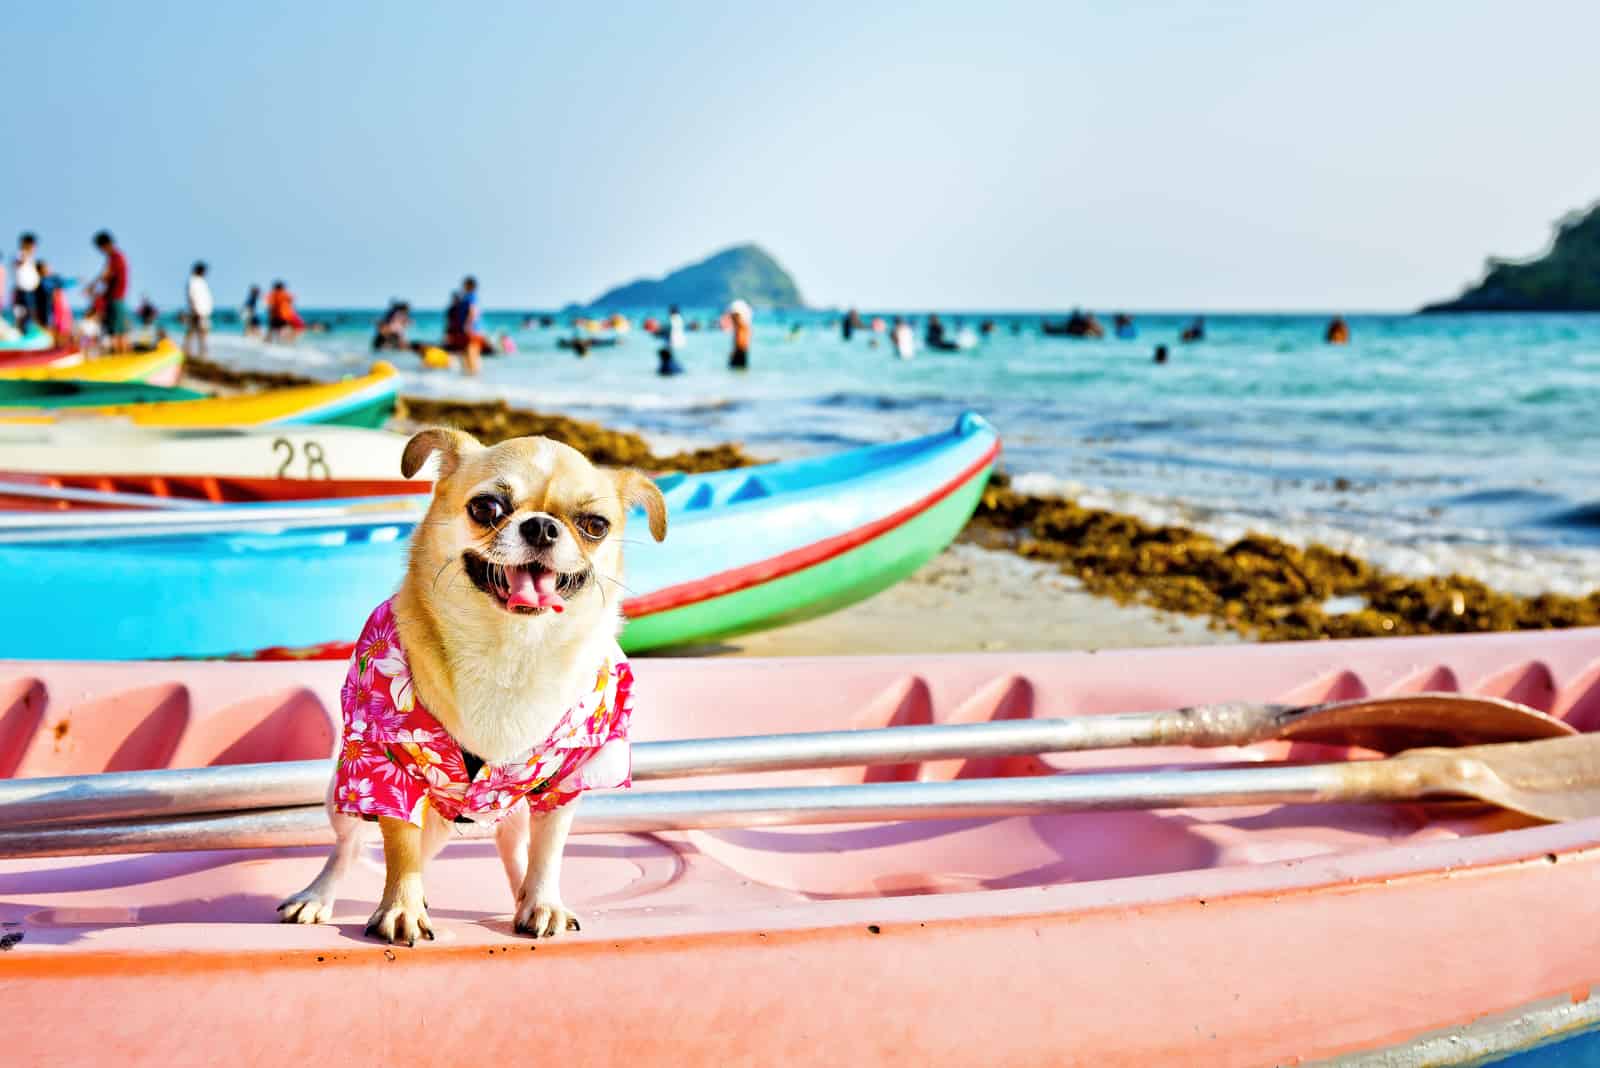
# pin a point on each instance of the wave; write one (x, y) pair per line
(880, 402)
(1580, 517)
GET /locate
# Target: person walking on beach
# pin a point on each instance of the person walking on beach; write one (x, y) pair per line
(740, 313)
(197, 324)
(461, 331)
(112, 285)
(249, 318)
(25, 280)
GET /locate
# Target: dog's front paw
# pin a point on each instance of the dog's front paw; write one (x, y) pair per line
(308, 906)
(544, 916)
(401, 919)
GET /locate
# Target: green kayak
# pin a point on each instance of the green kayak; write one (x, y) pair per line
(69, 393)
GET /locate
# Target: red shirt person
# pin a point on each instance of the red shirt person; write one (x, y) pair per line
(113, 283)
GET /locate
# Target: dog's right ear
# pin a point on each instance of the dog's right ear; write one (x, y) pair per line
(451, 445)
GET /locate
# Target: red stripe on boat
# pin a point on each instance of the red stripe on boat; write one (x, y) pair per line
(775, 567)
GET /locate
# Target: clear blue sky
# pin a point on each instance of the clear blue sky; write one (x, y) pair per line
(982, 155)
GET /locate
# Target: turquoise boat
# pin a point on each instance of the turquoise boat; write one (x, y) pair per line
(748, 549)
(31, 340)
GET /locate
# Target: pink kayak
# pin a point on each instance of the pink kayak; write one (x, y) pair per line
(1243, 935)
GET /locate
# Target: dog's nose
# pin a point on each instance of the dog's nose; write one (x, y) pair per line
(541, 531)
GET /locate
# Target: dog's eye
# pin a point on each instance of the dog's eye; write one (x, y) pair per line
(594, 527)
(486, 511)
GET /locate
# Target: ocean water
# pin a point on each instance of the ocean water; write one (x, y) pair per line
(1429, 443)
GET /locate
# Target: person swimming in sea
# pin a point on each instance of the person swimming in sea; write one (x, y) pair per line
(1195, 331)
(1123, 325)
(393, 327)
(1161, 354)
(1338, 331)
(850, 324)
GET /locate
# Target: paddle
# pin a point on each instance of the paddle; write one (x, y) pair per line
(1553, 779)
(1386, 724)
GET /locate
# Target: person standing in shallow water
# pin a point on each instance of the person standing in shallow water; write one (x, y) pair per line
(248, 316)
(672, 343)
(741, 314)
(463, 332)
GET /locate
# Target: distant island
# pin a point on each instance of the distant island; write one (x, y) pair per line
(744, 272)
(1567, 278)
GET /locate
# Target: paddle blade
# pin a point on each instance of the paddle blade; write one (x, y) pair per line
(1556, 779)
(1417, 721)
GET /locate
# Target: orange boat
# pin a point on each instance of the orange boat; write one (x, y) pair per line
(21, 358)
(1252, 933)
(31, 492)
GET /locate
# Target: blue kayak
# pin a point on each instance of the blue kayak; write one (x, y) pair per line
(747, 549)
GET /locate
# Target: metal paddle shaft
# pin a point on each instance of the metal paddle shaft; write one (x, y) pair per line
(1552, 779)
(1381, 723)
(30, 527)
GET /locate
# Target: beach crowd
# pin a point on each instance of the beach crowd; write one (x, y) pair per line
(39, 302)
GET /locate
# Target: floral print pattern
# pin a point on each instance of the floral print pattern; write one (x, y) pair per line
(397, 760)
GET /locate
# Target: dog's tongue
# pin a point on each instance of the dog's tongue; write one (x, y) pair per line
(533, 590)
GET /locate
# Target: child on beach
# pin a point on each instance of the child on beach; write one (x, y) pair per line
(54, 310)
(25, 280)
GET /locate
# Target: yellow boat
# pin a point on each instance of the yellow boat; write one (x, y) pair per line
(159, 367)
(367, 401)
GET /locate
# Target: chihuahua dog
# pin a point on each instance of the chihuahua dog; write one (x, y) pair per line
(491, 686)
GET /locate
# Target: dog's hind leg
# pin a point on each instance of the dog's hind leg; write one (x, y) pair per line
(511, 839)
(315, 903)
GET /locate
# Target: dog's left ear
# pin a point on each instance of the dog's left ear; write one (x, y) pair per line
(638, 491)
(449, 444)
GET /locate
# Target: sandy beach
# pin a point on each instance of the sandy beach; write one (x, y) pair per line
(976, 600)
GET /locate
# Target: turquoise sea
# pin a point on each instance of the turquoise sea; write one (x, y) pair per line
(1429, 442)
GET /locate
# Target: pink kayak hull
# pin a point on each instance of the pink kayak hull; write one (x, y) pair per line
(1222, 936)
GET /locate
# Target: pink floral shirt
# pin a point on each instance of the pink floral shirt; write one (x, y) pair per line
(396, 758)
